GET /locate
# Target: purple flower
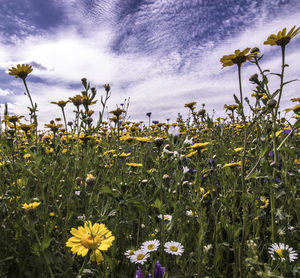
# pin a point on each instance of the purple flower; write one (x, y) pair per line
(271, 154)
(277, 179)
(158, 270)
(211, 163)
(155, 122)
(139, 274)
(262, 138)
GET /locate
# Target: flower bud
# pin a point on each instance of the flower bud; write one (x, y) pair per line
(271, 103)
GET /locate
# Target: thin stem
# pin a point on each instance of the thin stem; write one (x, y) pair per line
(244, 189)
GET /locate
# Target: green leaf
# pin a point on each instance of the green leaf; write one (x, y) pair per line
(289, 82)
(46, 242)
(107, 190)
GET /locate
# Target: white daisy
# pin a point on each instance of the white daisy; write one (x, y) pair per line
(139, 257)
(129, 253)
(150, 246)
(191, 213)
(282, 251)
(167, 217)
(174, 248)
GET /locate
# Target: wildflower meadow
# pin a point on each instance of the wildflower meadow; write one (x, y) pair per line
(91, 196)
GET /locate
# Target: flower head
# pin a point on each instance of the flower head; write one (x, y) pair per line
(30, 206)
(20, 71)
(167, 217)
(150, 246)
(237, 58)
(60, 103)
(282, 252)
(282, 38)
(90, 237)
(159, 270)
(191, 213)
(174, 248)
(139, 257)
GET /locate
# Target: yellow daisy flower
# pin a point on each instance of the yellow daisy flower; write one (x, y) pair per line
(282, 38)
(233, 164)
(296, 109)
(20, 71)
(31, 206)
(134, 164)
(237, 58)
(90, 237)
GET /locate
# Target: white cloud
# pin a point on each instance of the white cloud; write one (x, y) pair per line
(150, 80)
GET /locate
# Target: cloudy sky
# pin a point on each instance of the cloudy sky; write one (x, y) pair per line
(159, 53)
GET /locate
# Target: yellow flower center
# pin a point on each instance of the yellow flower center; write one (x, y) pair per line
(280, 252)
(150, 246)
(131, 252)
(173, 248)
(140, 256)
(90, 242)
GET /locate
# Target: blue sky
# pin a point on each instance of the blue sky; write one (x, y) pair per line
(159, 53)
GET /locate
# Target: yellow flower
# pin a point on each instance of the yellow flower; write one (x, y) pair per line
(49, 150)
(117, 112)
(238, 149)
(90, 179)
(31, 206)
(90, 237)
(134, 164)
(198, 146)
(190, 105)
(20, 71)
(233, 164)
(237, 58)
(143, 139)
(60, 103)
(264, 202)
(191, 154)
(282, 38)
(124, 154)
(296, 109)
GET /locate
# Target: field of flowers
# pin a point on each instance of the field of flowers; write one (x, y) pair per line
(200, 197)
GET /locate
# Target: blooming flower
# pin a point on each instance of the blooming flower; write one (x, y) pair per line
(150, 246)
(233, 164)
(90, 237)
(282, 38)
(282, 251)
(31, 206)
(191, 213)
(129, 253)
(139, 257)
(167, 217)
(237, 58)
(20, 71)
(159, 270)
(174, 248)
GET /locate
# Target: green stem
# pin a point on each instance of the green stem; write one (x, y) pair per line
(64, 115)
(244, 189)
(82, 267)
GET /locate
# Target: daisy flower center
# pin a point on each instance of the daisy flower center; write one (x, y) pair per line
(131, 252)
(173, 248)
(140, 257)
(280, 252)
(151, 246)
(90, 242)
